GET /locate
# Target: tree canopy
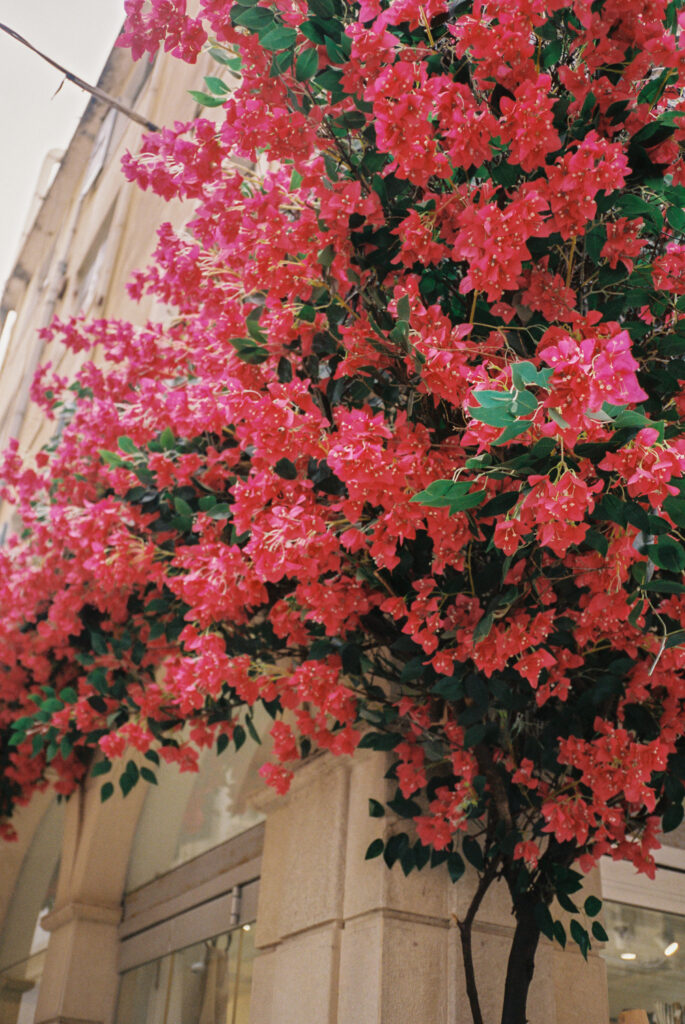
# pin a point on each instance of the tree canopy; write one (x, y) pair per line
(407, 466)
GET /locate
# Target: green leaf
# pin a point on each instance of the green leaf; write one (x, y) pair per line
(550, 56)
(581, 936)
(286, 469)
(395, 848)
(231, 61)
(248, 350)
(183, 508)
(451, 494)
(379, 741)
(279, 38)
(306, 65)
(376, 809)
(676, 218)
(672, 817)
(633, 206)
(524, 403)
(106, 792)
(128, 780)
(560, 934)
(525, 374)
(217, 86)
(251, 729)
(128, 446)
(403, 807)
(205, 99)
(326, 255)
(101, 767)
(68, 695)
(167, 439)
(599, 932)
(322, 8)
(544, 920)
(111, 458)
(665, 587)
(592, 906)
(473, 852)
(52, 704)
(632, 418)
(375, 849)
(512, 431)
(675, 639)
(450, 688)
(668, 554)
(483, 628)
(455, 866)
(403, 308)
(257, 18)
(149, 776)
(566, 903)
(219, 511)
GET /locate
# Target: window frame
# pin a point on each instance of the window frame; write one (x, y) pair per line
(622, 884)
(214, 893)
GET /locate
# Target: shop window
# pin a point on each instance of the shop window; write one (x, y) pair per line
(187, 939)
(645, 953)
(206, 983)
(24, 941)
(645, 958)
(187, 942)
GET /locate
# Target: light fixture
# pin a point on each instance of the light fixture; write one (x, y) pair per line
(671, 948)
(246, 928)
(628, 956)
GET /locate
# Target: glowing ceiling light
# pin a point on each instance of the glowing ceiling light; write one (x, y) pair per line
(628, 956)
(671, 948)
(246, 928)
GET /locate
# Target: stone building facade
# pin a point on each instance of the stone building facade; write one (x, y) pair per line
(206, 900)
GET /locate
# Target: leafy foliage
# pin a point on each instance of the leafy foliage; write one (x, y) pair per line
(408, 466)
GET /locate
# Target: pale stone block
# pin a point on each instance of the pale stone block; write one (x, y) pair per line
(368, 883)
(303, 863)
(80, 980)
(262, 997)
(361, 971)
(393, 970)
(580, 988)
(302, 980)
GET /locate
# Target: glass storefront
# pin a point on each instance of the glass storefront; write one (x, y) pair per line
(207, 983)
(645, 959)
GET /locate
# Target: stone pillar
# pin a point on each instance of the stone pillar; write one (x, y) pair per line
(79, 984)
(80, 979)
(342, 940)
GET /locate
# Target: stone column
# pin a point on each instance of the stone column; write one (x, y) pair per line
(343, 940)
(80, 979)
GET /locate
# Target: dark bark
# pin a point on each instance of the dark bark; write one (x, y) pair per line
(466, 930)
(469, 972)
(521, 962)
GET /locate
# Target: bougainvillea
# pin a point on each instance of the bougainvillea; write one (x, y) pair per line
(407, 467)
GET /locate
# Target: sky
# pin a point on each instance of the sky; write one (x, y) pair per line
(79, 34)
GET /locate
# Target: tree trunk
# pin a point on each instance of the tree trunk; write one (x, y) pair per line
(521, 963)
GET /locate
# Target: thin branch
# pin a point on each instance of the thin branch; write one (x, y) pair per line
(465, 930)
(92, 89)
